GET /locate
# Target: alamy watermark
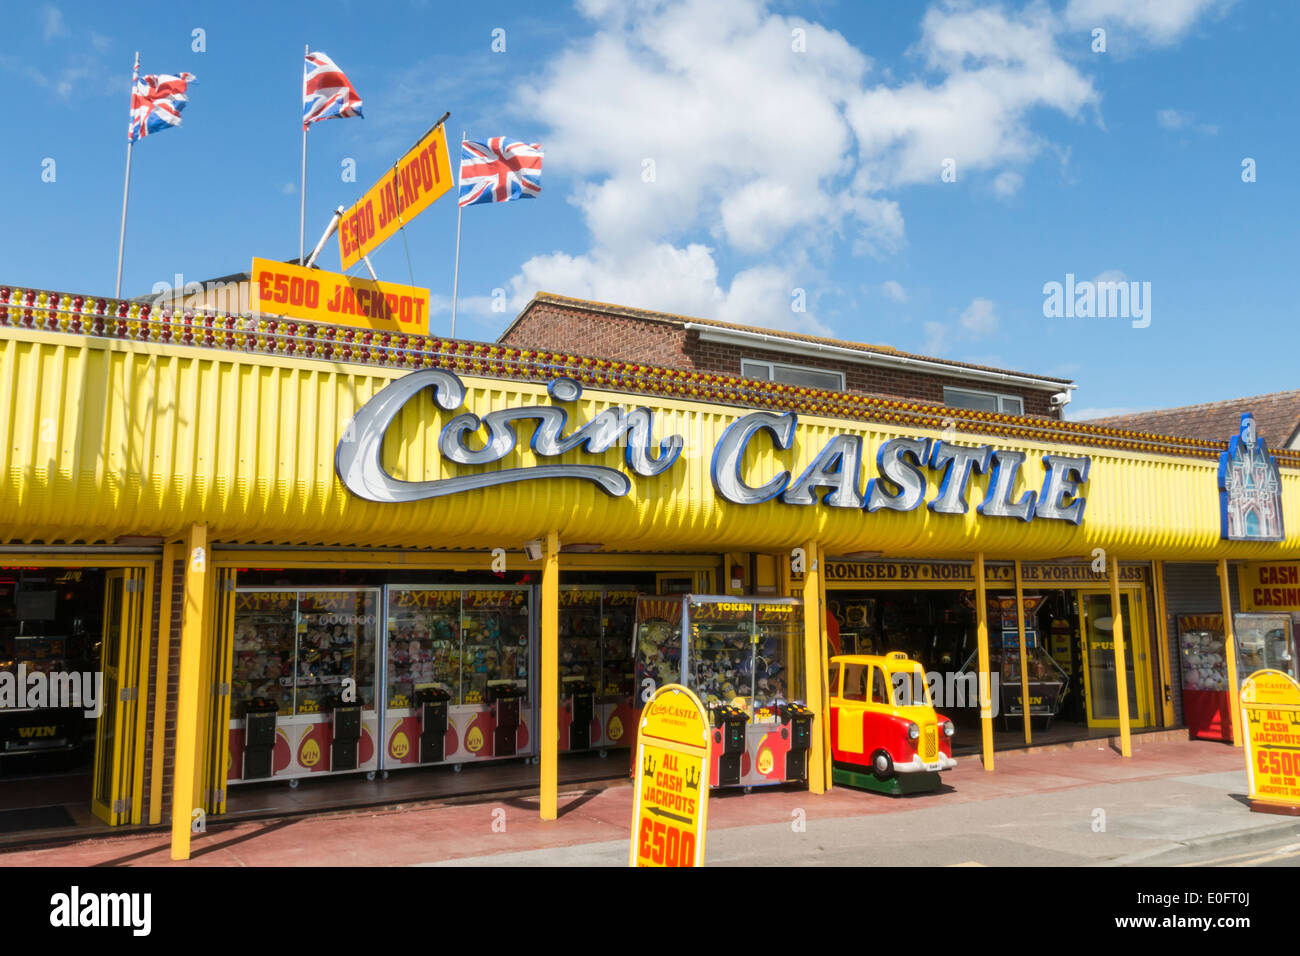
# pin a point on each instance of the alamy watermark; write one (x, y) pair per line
(1101, 299)
(947, 689)
(230, 298)
(82, 690)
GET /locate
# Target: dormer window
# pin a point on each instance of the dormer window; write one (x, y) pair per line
(793, 375)
(983, 401)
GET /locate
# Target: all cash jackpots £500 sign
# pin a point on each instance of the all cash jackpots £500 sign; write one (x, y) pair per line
(670, 809)
(1270, 711)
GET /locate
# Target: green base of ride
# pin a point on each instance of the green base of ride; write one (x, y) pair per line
(896, 786)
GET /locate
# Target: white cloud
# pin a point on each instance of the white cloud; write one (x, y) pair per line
(1007, 184)
(289, 188)
(52, 24)
(1159, 22)
(893, 291)
(1172, 119)
(664, 277)
(996, 68)
(1178, 120)
(936, 338)
(980, 318)
(716, 166)
(100, 42)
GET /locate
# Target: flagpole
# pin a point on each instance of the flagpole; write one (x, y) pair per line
(302, 198)
(126, 187)
(455, 278)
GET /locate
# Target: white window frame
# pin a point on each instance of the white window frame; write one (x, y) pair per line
(1001, 399)
(772, 366)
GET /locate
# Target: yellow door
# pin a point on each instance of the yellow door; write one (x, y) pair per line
(115, 736)
(1101, 689)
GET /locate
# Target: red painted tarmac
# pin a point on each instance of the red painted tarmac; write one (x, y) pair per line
(421, 833)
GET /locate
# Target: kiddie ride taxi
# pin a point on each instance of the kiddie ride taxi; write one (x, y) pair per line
(885, 733)
(741, 656)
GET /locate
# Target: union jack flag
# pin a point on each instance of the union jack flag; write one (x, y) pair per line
(326, 92)
(156, 103)
(497, 171)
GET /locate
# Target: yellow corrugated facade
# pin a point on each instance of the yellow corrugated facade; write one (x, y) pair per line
(106, 438)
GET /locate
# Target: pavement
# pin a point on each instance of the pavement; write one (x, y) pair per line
(1172, 802)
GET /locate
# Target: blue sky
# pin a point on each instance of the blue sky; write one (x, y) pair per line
(714, 159)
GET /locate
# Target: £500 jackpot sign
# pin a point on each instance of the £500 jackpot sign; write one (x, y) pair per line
(409, 188)
(332, 299)
(670, 809)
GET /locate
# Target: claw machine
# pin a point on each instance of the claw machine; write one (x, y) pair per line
(595, 667)
(743, 658)
(1207, 702)
(458, 665)
(1047, 679)
(304, 683)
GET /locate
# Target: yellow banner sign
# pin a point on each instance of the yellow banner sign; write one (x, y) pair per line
(312, 295)
(1270, 586)
(1270, 710)
(670, 808)
(890, 574)
(409, 188)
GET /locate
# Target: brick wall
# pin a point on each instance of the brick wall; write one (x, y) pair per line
(653, 342)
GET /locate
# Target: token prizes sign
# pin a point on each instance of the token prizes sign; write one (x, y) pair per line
(1270, 710)
(670, 809)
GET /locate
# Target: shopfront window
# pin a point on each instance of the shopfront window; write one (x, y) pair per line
(596, 630)
(423, 643)
(455, 640)
(299, 649)
(494, 629)
(580, 635)
(721, 658)
(618, 627)
(1263, 641)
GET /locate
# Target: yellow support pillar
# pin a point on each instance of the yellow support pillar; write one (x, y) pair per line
(814, 644)
(188, 703)
(1024, 663)
(550, 694)
(982, 640)
(1230, 649)
(1121, 658)
(1162, 637)
(826, 666)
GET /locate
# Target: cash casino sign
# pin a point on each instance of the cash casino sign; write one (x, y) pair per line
(670, 806)
(1269, 586)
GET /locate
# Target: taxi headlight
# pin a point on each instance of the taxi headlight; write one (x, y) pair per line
(948, 728)
(913, 732)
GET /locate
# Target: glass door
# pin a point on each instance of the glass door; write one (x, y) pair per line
(114, 737)
(1100, 685)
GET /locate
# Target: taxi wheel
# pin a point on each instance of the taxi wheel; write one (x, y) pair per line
(882, 765)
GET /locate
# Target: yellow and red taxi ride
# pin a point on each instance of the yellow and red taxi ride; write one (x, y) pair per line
(885, 733)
